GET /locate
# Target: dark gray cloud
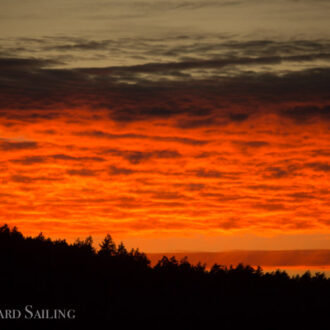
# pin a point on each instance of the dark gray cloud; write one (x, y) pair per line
(221, 197)
(167, 195)
(75, 158)
(275, 172)
(231, 223)
(179, 47)
(71, 88)
(6, 145)
(111, 136)
(48, 131)
(204, 64)
(30, 160)
(266, 187)
(251, 144)
(136, 157)
(192, 186)
(204, 173)
(18, 178)
(271, 206)
(30, 116)
(306, 113)
(19, 64)
(21, 179)
(184, 49)
(130, 114)
(38, 91)
(238, 117)
(278, 47)
(320, 152)
(196, 123)
(319, 166)
(301, 196)
(114, 170)
(82, 172)
(279, 172)
(80, 45)
(256, 144)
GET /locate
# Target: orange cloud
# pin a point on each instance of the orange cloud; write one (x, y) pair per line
(83, 152)
(151, 177)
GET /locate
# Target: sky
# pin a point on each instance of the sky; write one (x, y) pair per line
(172, 125)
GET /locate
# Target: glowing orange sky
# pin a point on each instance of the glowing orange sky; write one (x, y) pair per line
(182, 137)
(151, 178)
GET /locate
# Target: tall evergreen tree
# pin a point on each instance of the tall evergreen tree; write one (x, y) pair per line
(108, 246)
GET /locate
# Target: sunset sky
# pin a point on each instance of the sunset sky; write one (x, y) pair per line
(198, 125)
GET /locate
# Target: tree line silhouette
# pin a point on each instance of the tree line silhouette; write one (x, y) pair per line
(114, 285)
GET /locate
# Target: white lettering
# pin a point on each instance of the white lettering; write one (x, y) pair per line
(28, 310)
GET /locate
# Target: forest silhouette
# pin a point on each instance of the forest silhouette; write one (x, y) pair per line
(113, 285)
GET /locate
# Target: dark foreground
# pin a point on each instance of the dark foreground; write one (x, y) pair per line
(114, 288)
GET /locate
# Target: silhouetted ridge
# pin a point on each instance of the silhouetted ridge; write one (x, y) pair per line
(120, 286)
